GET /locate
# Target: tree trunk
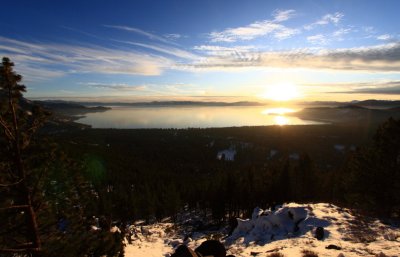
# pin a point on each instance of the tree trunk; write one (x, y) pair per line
(31, 218)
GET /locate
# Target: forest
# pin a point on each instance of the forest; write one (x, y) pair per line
(57, 180)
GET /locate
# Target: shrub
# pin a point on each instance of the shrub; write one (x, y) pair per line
(309, 253)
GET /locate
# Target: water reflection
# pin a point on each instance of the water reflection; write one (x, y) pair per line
(195, 117)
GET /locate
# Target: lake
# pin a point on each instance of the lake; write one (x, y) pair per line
(192, 117)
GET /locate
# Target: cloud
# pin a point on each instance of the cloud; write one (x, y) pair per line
(283, 15)
(341, 32)
(141, 32)
(38, 61)
(116, 86)
(375, 58)
(330, 18)
(164, 49)
(384, 37)
(143, 89)
(385, 88)
(321, 39)
(284, 33)
(317, 39)
(173, 36)
(258, 29)
(213, 50)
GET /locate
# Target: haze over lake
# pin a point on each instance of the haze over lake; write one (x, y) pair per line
(192, 117)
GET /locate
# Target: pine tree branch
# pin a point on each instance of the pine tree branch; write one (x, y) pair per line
(17, 250)
(23, 206)
(7, 131)
(12, 184)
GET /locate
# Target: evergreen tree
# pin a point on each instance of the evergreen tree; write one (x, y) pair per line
(372, 177)
(44, 198)
(18, 127)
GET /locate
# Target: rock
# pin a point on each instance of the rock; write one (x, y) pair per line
(183, 251)
(211, 247)
(335, 247)
(319, 233)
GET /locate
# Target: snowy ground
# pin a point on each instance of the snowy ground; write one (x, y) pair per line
(288, 230)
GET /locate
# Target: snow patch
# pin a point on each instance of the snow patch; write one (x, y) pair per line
(289, 230)
(227, 155)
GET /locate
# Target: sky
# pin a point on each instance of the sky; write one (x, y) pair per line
(226, 50)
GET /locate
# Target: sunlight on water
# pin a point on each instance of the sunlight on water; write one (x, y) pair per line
(192, 117)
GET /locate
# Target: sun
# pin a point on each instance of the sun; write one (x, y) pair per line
(281, 92)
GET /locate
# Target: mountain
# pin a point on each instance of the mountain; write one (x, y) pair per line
(172, 103)
(351, 113)
(69, 108)
(371, 103)
(378, 103)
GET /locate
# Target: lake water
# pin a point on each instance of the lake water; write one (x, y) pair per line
(192, 117)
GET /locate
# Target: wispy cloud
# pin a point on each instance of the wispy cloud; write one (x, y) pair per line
(140, 32)
(142, 89)
(386, 88)
(115, 86)
(318, 39)
(338, 34)
(258, 29)
(324, 39)
(173, 36)
(330, 18)
(82, 32)
(214, 50)
(283, 15)
(44, 60)
(384, 37)
(374, 58)
(163, 49)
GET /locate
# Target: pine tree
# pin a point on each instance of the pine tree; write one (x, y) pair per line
(372, 177)
(44, 197)
(18, 127)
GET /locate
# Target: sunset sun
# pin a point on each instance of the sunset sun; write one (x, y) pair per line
(281, 92)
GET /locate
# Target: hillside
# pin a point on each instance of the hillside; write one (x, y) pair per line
(355, 114)
(70, 108)
(351, 234)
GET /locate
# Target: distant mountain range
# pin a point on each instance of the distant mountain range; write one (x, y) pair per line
(372, 111)
(371, 103)
(350, 113)
(70, 108)
(172, 103)
(377, 103)
(61, 104)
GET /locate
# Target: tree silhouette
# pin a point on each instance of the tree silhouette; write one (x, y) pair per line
(18, 125)
(372, 176)
(45, 200)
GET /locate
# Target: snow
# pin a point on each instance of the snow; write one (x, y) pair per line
(339, 148)
(228, 153)
(272, 153)
(289, 229)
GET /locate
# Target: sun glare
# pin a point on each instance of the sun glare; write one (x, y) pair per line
(281, 120)
(277, 111)
(281, 92)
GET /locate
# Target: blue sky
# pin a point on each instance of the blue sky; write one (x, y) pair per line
(203, 50)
